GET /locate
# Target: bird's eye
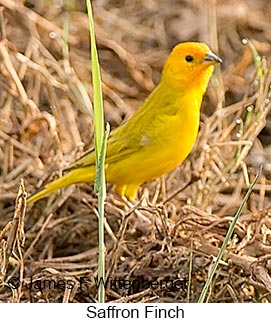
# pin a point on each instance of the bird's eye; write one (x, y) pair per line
(189, 58)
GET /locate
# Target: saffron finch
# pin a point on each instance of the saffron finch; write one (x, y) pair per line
(162, 132)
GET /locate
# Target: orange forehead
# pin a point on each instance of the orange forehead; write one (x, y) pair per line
(197, 50)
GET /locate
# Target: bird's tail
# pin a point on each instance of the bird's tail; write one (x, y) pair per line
(86, 174)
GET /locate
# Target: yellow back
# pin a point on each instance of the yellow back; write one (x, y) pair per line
(160, 135)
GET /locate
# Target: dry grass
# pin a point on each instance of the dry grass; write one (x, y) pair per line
(44, 82)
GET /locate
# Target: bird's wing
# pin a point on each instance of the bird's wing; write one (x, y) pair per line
(120, 145)
(129, 137)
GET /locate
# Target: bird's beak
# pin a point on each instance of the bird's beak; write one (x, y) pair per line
(212, 58)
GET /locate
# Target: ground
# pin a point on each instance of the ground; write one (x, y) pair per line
(160, 248)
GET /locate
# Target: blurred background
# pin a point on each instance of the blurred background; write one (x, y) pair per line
(45, 93)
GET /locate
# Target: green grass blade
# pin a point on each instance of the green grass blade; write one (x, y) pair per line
(226, 240)
(100, 174)
(97, 87)
(257, 60)
(101, 189)
(100, 149)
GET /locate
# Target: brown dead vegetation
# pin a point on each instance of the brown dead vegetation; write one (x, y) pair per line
(170, 237)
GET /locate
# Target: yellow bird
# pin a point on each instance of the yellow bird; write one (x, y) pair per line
(160, 135)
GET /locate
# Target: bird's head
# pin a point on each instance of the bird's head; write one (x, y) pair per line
(190, 65)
